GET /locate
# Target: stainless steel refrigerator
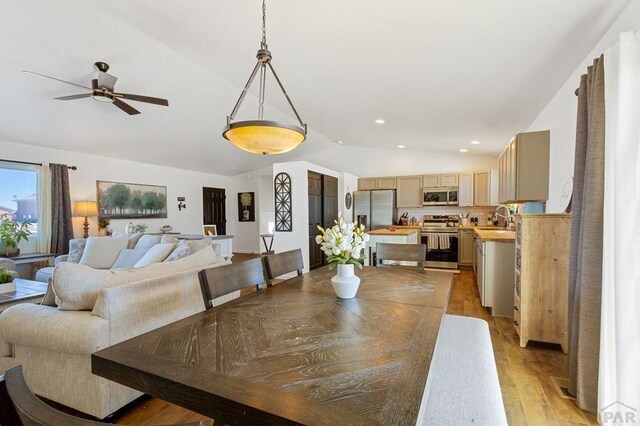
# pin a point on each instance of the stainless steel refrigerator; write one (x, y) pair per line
(376, 209)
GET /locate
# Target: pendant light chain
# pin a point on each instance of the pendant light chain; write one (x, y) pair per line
(264, 25)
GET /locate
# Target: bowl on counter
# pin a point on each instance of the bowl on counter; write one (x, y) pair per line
(166, 228)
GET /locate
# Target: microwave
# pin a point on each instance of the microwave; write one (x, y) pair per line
(446, 196)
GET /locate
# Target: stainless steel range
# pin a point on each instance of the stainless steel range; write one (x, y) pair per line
(440, 234)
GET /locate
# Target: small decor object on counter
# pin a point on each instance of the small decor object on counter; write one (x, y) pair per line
(344, 245)
(392, 228)
(140, 227)
(210, 230)
(103, 226)
(11, 233)
(6, 280)
(166, 228)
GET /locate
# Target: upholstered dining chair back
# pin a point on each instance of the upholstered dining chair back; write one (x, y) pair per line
(401, 253)
(222, 280)
(20, 406)
(282, 263)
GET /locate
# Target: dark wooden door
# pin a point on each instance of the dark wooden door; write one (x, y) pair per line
(329, 200)
(214, 208)
(315, 219)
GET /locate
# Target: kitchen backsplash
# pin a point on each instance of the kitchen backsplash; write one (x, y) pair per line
(479, 212)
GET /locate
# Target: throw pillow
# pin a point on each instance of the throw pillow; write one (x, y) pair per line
(169, 239)
(156, 254)
(76, 248)
(181, 250)
(148, 241)
(102, 252)
(133, 238)
(128, 258)
(197, 245)
(77, 287)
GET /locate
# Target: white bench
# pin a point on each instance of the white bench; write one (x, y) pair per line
(463, 387)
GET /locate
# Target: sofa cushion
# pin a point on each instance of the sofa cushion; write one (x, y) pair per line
(76, 248)
(128, 257)
(44, 274)
(76, 286)
(169, 239)
(155, 254)
(133, 238)
(181, 250)
(102, 252)
(148, 241)
(197, 245)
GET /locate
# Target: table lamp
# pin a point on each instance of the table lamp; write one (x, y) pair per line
(85, 209)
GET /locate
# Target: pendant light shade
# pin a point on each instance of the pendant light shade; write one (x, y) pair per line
(264, 136)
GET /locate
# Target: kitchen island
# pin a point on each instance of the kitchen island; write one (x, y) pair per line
(399, 236)
(494, 268)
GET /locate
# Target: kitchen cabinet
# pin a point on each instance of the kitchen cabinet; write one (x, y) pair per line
(465, 247)
(409, 192)
(524, 168)
(485, 188)
(541, 278)
(465, 190)
(495, 275)
(368, 184)
(386, 183)
(441, 180)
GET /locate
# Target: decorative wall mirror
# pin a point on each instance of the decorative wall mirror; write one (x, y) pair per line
(347, 200)
(282, 194)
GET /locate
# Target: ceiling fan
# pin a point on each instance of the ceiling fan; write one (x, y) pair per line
(102, 89)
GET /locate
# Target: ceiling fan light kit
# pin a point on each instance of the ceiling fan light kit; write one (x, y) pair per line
(264, 136)
(102, 90)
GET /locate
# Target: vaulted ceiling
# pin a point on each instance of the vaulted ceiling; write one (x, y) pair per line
(440, 73)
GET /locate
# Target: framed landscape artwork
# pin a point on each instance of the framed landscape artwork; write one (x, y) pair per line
(118, 200)
(246, 207)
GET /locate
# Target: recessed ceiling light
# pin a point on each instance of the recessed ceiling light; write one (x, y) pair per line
(401, 146)
(379, 121)
(339, 142)
(463, 150)
(475, 142)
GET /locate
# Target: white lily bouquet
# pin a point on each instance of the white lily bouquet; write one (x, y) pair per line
(343, 243)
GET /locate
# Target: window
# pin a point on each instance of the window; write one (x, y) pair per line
(19, 193)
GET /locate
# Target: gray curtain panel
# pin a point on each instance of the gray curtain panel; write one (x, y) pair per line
(585, 262)
(61, 214)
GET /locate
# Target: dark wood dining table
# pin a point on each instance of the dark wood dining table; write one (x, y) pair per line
(296, 354)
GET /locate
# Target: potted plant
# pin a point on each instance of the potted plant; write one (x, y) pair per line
(103, 226)
(11, 233)
(6, 280)
(344, 245)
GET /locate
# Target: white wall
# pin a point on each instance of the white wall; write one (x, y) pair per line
(366, 162)
(560, 113)
(299, 236)
(179, 182)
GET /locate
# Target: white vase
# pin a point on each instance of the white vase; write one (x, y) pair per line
(345, 282)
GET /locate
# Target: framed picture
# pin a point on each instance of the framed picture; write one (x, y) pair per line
(246, 207)
(117, 200)
(210, 230)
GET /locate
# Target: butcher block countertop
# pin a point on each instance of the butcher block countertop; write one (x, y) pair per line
(409, 226)
(498, 235)
(399, 232)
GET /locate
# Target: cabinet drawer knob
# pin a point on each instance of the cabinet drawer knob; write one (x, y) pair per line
(515, 308)
(515, 322)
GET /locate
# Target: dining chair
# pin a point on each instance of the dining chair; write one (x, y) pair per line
(282, 263)
(222, 280)
(401, 253)
(21, 406)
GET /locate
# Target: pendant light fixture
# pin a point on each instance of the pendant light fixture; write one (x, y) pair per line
(264, 136)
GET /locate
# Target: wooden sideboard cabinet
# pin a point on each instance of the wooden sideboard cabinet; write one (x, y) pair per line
(542, 278)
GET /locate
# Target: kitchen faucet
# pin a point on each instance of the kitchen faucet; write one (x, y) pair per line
(507, 217)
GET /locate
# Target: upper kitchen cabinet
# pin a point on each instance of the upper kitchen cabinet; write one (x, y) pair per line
(524, 168)
(465, 190)
(367, 184)
(485, 188)
(436, 181)
(409, 191)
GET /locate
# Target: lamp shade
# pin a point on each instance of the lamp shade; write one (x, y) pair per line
(264, 137)
(85, 208)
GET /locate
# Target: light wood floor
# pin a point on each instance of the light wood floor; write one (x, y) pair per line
(529, 394)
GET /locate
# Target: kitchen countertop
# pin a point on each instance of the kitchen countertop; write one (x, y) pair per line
(500, 235)
(409, 226)
(399, 232)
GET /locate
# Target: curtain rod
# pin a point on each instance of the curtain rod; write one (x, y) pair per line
(32, 164)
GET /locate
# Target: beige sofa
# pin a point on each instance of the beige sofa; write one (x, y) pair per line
(55, 346)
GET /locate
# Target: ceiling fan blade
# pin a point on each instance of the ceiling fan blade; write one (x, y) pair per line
(106, 80)
(57, 79)
(139, 98)
(125, 107)
(70, 97)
